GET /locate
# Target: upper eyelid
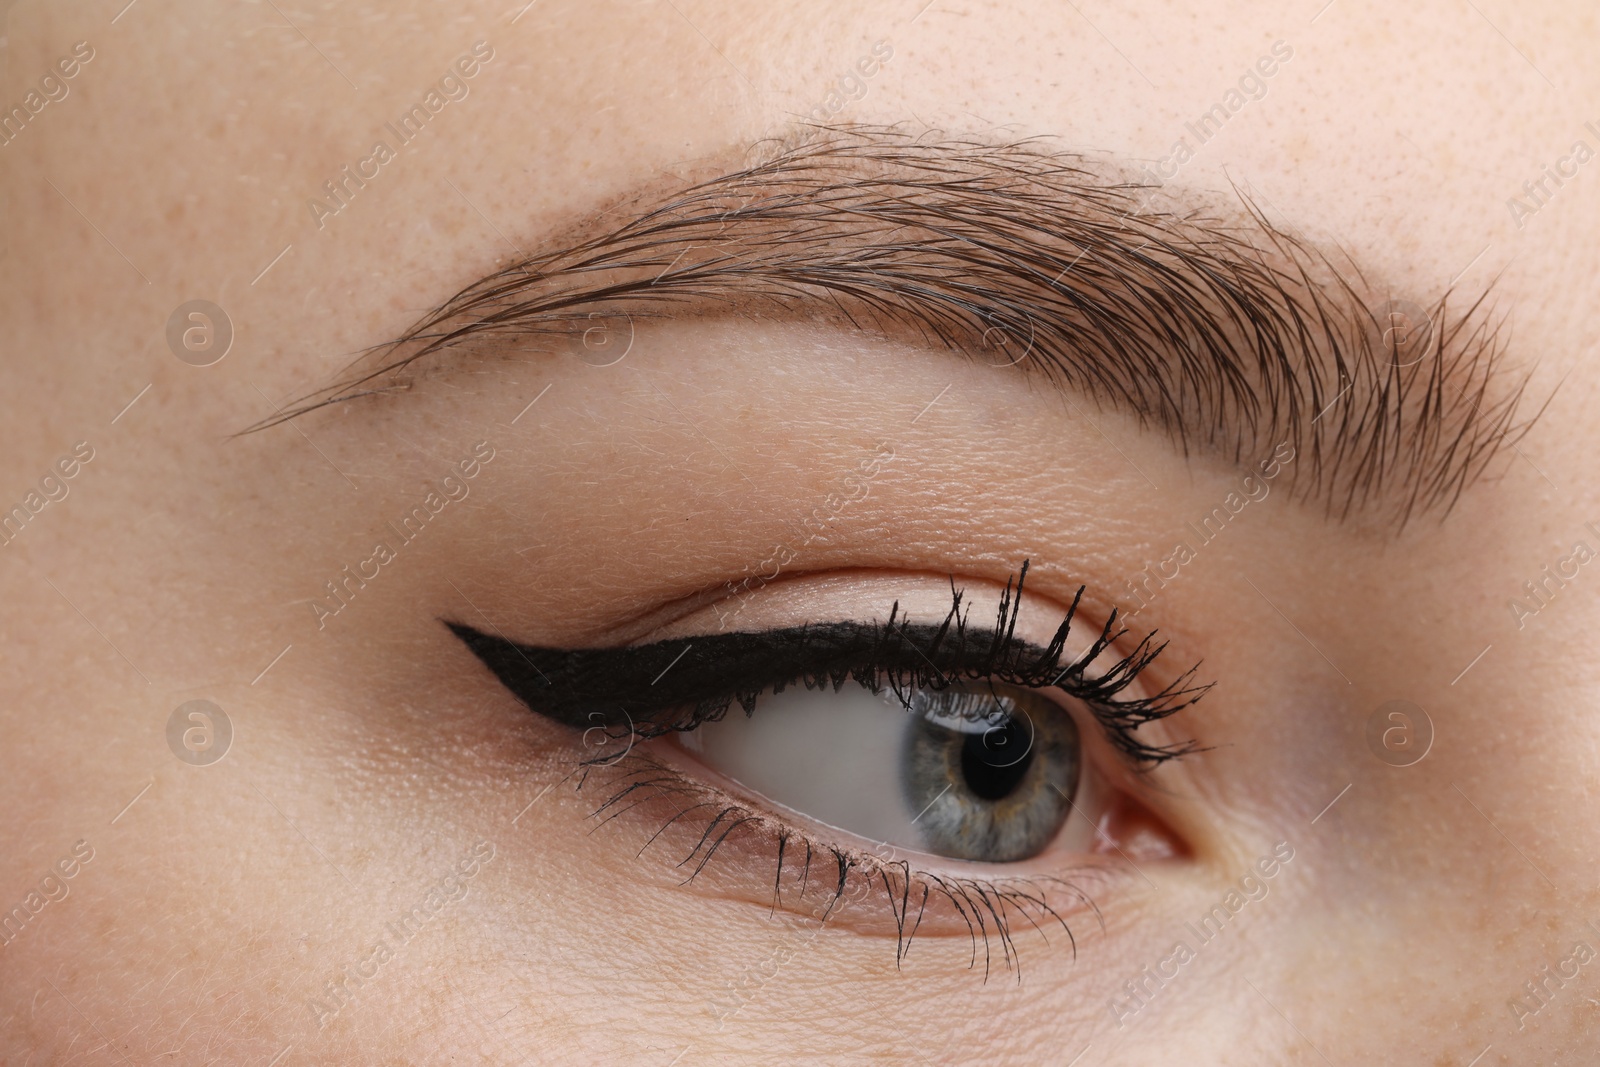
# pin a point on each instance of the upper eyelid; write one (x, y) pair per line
(1231, 334)
(572, 686)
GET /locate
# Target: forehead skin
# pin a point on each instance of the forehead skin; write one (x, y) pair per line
(180, 166)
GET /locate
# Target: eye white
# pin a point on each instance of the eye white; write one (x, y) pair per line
(837, 758)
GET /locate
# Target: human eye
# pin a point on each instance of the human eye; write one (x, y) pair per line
(966, 772)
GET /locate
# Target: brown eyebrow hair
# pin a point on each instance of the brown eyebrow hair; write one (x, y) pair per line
(1212, 324)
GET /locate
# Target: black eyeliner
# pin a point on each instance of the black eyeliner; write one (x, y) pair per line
(680, 683)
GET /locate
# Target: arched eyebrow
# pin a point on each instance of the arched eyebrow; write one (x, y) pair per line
(1205, 321)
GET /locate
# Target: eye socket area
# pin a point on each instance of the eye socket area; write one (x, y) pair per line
(655, 775)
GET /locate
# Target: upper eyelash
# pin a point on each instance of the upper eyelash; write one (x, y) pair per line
(668, 686)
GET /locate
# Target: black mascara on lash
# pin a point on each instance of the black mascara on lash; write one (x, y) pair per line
(678, 683)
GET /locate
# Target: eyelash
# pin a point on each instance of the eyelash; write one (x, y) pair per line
(567, 685)
(571, 686)
(985, 905)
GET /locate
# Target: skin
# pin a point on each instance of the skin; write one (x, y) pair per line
(376, 752)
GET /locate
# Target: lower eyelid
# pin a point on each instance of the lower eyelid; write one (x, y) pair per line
(711, 840)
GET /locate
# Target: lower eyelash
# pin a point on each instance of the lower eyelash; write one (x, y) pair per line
(989, 907)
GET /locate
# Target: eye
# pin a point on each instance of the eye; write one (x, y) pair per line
(937, 737)
(976, 771)
(940, 767)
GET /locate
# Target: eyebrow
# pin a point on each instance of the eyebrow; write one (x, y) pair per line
(1202, 319)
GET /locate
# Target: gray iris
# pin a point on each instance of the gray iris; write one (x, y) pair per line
(992, 771)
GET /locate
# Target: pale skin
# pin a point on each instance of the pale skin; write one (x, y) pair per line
(373, 755)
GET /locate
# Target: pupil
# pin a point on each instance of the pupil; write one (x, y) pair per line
(995, 761)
